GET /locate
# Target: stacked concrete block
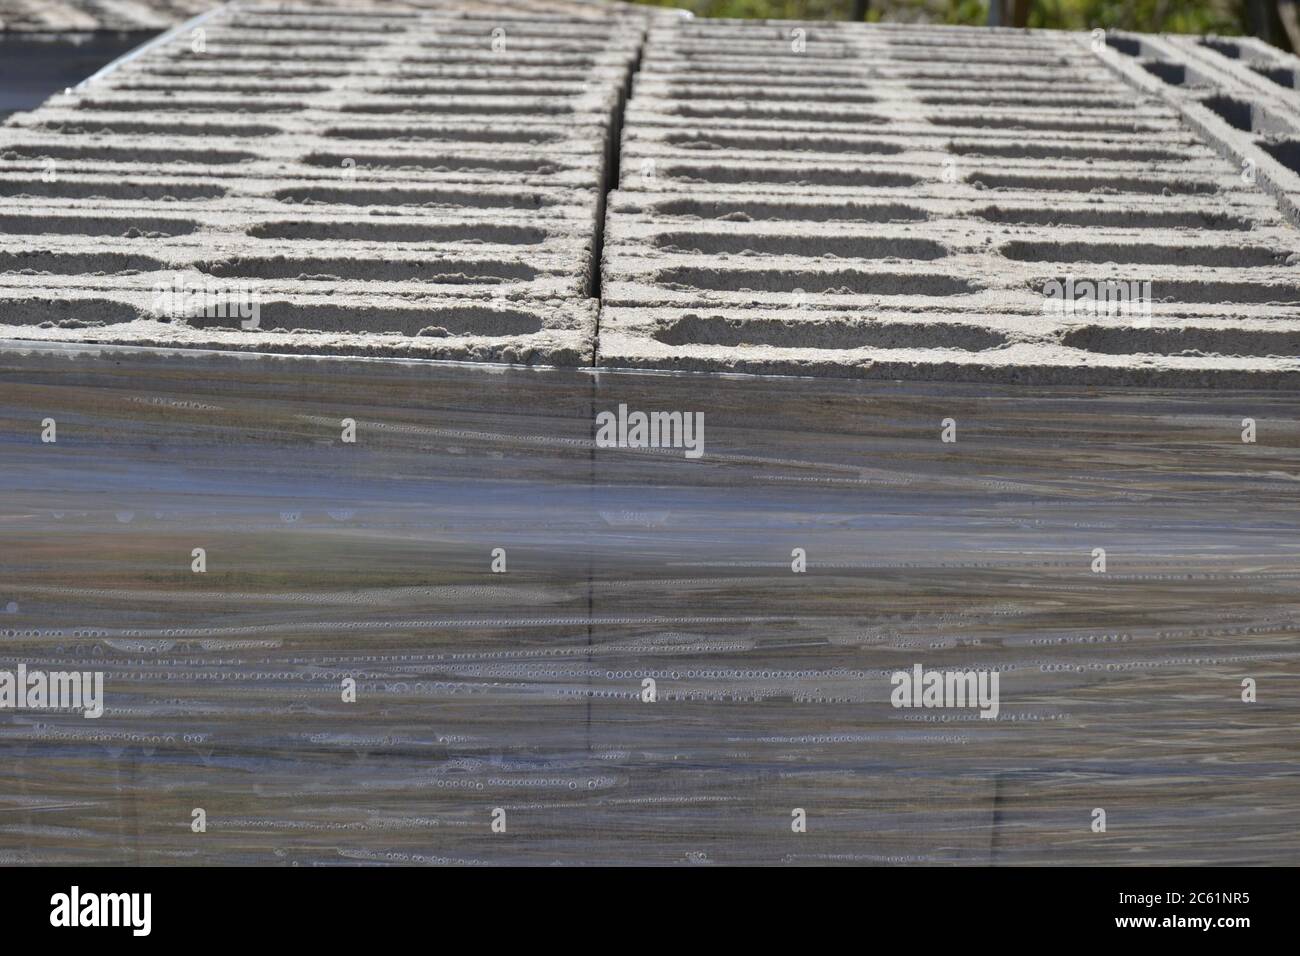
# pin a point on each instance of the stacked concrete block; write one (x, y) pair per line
(429, 179)
(1238, 93)
(413, 183)
(905, 202)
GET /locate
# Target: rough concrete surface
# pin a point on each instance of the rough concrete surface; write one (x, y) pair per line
(412, 183)
(893, 201)
(817, 198)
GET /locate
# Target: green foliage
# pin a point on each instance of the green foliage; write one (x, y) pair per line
(1145, 16)
(762, 9)
(966, 12)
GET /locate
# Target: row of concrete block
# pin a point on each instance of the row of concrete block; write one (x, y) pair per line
(900, 202)
(415, 183)
(840, 199)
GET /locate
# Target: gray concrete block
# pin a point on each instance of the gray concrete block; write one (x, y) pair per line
(839, 199)
(425, 183)
(508, 328)
(831, 198)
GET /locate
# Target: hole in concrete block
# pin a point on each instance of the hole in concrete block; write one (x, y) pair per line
(127, 227)
(838, 282)
(1125, 45)
(480, 42)
(1175, 74)
(1003, 85)
(775, 113)
(474, 30)
(487, 56)
(458, 107)
(123, 154)
(258, 38)
(845, 247)
(1227, 257)
(814, 54)
(792, 71)
(319, 268)
(330, 230)
(239, 130)
(269, 70)
(1113, 217)
(379, 196)
(65, 313)
(1286, 152)
(517, 72)
(1079, 103)
(834, 332)
(84, 189)
(297, 24)
(1157, 341)
(703, 30)
(782, 144)
(482, 134)
(1072, 150)
(761, 93)
(194, 85)
(1224, 47)
(812, 175)
(1028, 79)
(437, 163)
(1063, 125)
(965, 57)
(1085, 184)
(1246, 116)
(186, 105)
(1231, 293)
(331, 18)
(255, 54)
(1001, 42)
(497, 88)
(742, 210)
(1236, 113)
(327, 14)
(437, 322)
(75, 263)
(1281, 75)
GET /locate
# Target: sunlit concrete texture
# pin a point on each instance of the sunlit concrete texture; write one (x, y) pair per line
(894, 201)
(416, 183)
(840, 199)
